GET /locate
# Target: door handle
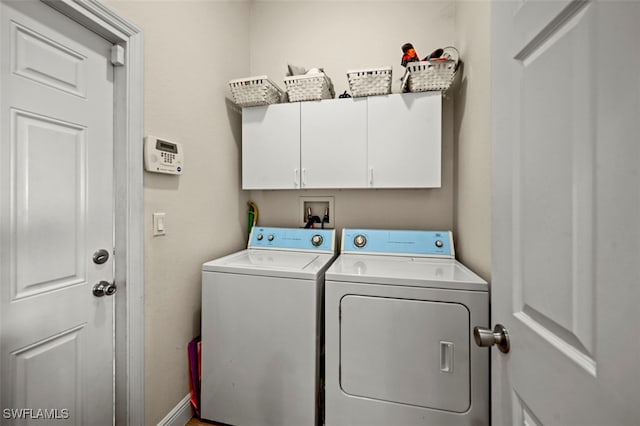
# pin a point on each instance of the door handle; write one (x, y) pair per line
(485, 338)
(104, 288)
(446, 357)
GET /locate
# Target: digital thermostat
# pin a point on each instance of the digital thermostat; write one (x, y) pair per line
(163, 156)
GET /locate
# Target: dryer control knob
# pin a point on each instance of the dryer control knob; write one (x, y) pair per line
(259, 237)
(270, 237)
(360, 241)
(316, 240)
(439, 243)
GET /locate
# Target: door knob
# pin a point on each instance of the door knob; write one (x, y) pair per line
(484, 337)
(104, 288)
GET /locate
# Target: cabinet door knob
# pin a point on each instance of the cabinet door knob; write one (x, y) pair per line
(371, 176)
(295, 178)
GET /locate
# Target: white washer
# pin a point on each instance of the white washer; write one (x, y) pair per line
(261, 329)
(399, 317)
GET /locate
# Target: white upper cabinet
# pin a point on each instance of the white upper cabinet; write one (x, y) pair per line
(405, 139)
(391, 141)
(333, 143)
(271, 147)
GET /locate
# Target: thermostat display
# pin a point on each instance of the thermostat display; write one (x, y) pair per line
(163, 156)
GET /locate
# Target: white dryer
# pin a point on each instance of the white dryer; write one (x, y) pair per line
(399, 318)
(262, 329)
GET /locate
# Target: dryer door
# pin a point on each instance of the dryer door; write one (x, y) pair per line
(405, 351)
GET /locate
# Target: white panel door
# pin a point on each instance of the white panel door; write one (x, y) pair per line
(271, 147)
(333, 143)
(405, 140)
(56, 210)
(566, 234)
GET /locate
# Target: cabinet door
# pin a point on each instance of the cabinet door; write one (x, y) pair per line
(334, 143)
(405, 140)
(271, 147)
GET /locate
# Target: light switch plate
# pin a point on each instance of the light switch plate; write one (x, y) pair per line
(159, 224)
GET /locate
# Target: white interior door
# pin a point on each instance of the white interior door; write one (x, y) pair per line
(56, 210)
(566, 233)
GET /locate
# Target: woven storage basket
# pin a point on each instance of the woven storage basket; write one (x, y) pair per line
(308, 87)
(254, 91)
(369, 82)
(429, 75)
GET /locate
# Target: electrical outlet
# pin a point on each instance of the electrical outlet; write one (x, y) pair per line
(318, 205)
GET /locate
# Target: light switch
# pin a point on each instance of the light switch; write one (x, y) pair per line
(159, 224)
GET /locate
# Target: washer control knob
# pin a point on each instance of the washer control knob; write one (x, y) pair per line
(439, 243)
(360, 241)
(270, 237)
(316, 240)
(259, 237)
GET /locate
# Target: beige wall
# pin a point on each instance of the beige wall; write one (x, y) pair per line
(345, 35)
(472, 102)
(192, 49)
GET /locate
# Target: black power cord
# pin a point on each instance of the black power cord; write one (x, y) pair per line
(311, 221)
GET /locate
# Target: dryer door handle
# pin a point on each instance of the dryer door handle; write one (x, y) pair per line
(446, 357)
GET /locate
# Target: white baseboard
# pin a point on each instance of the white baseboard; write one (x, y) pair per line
(180, 415)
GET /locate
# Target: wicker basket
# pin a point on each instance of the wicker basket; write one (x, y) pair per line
(370, 82)
(429, 75)
(308, 87)
(254, 91)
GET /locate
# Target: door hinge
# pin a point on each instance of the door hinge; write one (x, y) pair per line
(117, 55)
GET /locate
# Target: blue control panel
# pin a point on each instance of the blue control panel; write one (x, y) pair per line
(400, 242)
(293, 239)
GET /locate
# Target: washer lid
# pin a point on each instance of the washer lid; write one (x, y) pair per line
(275, 263)
(406, 271)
